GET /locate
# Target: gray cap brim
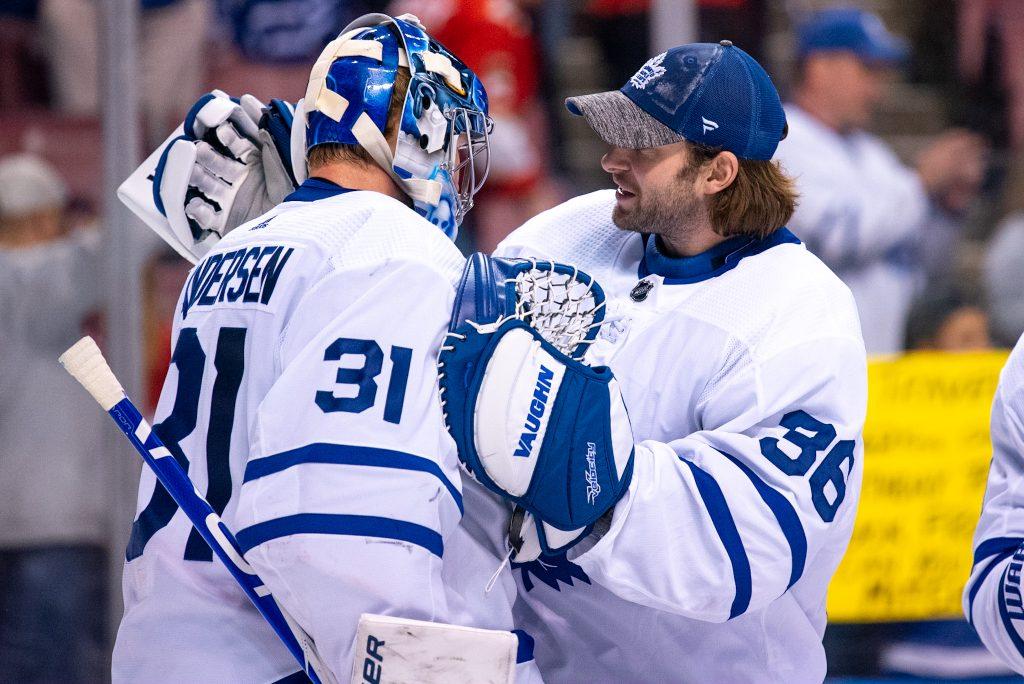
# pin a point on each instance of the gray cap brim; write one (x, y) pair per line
(619, 122)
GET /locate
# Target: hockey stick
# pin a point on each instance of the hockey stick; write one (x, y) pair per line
(85, 362)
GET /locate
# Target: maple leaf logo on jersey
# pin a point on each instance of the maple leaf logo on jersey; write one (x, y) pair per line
(651, 70)
(550, 570)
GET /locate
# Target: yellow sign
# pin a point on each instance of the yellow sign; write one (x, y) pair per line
(926, 459)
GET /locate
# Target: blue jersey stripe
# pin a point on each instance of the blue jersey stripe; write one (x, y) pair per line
(1005, 616)
(976, 587)
(995, 545)
(344, 454)
(350, 525)
(786, 516)
(524, 649)
(725, 526)
(313, 189)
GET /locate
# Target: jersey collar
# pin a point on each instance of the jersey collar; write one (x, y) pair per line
(314, 188)
(708, 264)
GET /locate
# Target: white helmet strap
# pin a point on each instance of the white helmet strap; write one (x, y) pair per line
(373, 141)
(298, 143)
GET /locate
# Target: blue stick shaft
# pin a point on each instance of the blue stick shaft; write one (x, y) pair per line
(208, 523)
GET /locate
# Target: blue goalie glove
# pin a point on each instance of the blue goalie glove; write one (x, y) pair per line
(532, 422)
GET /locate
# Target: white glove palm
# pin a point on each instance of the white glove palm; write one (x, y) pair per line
(236, 173)
(220, 169)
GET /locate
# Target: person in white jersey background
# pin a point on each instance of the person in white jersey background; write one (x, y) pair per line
(992, 598)
(741, 362)
(302, 392)
(876, 222)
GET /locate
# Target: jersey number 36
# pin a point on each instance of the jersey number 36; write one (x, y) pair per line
(812, 437)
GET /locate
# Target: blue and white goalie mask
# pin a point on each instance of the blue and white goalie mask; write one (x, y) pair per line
(440, 158)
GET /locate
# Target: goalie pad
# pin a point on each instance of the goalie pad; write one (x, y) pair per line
(392, 650)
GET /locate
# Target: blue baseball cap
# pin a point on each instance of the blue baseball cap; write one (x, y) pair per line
(711, 94)
(852, 30)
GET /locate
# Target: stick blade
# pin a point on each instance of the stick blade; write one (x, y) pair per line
(85, 362)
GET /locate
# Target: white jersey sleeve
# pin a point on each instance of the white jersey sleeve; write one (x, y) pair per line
(723, 521)
(352, 485)
(857, 201)
(992, 597)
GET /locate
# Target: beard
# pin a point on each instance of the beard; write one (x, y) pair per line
(667, 210)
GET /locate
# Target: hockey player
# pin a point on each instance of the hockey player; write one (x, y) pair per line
(302, 393)
(742, 366)
(992, 597)
(741, 362)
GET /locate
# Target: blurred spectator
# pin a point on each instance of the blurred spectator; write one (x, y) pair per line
(863, 212)
(743, 22)
(1004, 265)
(495, 39)
(944, 318)
(20, 64)
(52, 478)
(1004, 261)
(986, 23)
(172, 37)
(622, 30)
(623, 35)
(295, 31)
(265, 47)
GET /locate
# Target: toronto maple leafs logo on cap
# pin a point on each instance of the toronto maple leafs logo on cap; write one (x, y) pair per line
(651, 70)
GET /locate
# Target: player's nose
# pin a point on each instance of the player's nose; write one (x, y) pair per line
(615, 160)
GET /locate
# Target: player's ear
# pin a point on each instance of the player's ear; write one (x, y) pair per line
(719, 172)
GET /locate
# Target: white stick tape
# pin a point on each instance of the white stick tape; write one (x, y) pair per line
(85, 362)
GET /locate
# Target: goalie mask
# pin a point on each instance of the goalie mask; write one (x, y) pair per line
(440, 159)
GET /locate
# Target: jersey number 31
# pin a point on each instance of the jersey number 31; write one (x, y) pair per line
(229, 361)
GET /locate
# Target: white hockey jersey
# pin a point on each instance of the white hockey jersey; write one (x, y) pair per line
(992, 597)
(744, 373)
(863, 212)
(302, 396)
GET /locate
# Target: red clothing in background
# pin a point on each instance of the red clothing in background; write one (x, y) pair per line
(614, 8)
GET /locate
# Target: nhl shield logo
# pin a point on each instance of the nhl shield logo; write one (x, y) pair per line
(651, 70)
(641, 290)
